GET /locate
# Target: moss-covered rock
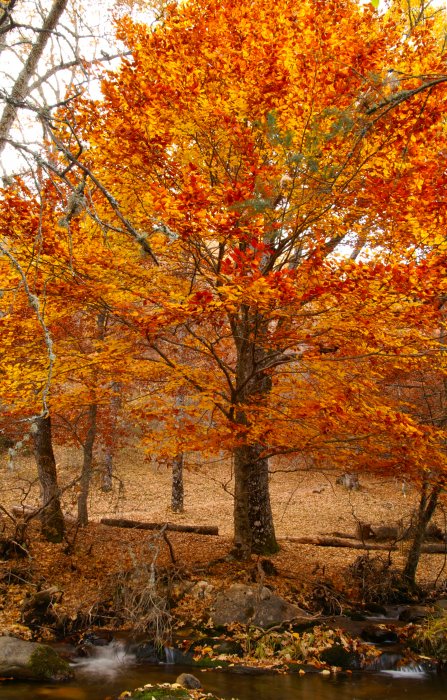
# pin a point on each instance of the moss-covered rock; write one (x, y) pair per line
(164, 691)
(31, 661)
(47, 664)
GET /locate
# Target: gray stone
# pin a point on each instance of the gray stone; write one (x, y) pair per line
(31, 661)
(414, 613)
(241, 603)
(187, 680)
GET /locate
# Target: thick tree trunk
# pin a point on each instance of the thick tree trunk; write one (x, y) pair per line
(177, 490)
(254, 530)
(87, 466)
(51, 517)
(427, 505)
(263, 540)
(242, 527)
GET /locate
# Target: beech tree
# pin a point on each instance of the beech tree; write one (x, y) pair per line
(246, 143)
(56, 378)
(258, 183)
(45, 49)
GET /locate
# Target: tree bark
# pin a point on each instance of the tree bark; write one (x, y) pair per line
(19, 90)
(52, 519)
(87, 465)
(177, 486)
(107, 475)
(115, 405)
(177, 490)
(242, 527)
(427, 504)
(254, 529)
(260, 510)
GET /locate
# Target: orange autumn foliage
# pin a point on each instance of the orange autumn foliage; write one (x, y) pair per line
(283, 165)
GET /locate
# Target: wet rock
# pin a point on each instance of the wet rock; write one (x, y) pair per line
(187, 680)
(148, 652)
(241, 603)
(357, 616)
(441, 604)
(338, 656)
(379, 634)
(414, 613)
(375, 609)
(98, 639)
(31, 661)
(384, 662)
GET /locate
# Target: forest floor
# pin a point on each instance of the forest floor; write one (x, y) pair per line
(93, 560)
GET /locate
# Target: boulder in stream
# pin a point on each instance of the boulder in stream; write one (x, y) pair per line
(415, 613)
(261, 607)
(31, 661)
(187, 680)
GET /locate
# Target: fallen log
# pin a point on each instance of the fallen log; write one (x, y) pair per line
(175, 527)
(440, 548)
(342, 535)
(338, 542)
(28, 513)
(434, 548)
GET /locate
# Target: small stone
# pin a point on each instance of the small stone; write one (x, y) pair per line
(187, 680)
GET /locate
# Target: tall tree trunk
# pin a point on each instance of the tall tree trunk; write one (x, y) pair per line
(427, 505)
(177, 487)
(87, 465)
(51, 516)
(107, 475)
(253, 520)
(177, 490)
(260, 509)
(242, 527)
(115, 405)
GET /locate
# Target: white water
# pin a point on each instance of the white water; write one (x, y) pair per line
(105, 662)
(170, 655)
(410, 671)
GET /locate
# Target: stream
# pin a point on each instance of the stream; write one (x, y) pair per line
(111, 670)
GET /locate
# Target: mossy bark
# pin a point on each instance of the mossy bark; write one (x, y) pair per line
(254, 530)
(51, 517)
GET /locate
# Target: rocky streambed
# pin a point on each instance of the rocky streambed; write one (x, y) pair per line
(251, 634)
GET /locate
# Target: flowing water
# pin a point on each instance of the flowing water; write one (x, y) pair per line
(111, 670)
